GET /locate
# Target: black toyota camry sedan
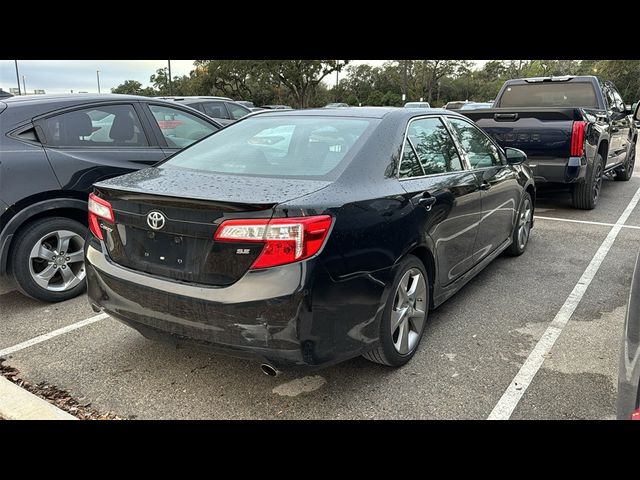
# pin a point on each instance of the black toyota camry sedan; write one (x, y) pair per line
(304, 238)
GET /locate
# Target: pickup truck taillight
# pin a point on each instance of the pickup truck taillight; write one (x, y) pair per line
(636, 414)
(98, 208)
(286, 240)
(577, 139)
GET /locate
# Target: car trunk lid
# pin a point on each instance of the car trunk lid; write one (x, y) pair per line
(165, 221)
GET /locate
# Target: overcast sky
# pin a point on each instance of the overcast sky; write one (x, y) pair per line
(62, 76)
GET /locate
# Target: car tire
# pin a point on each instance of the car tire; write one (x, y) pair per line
(587, 194)
(522, 229)
(400, 333)
(624, 173)
(41, 267)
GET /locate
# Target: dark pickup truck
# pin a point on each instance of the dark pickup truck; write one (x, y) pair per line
(574, 130)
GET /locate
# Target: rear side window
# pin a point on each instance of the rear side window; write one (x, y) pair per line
(179, 128)
(215, 109)
(550, 94)
(103, 126)
(285, 146)
(236, 111)
(410, 166)
(434, 146)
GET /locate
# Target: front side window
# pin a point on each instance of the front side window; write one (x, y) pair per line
(236, 111)
(434, 146)
(481, 151)
(179, 128)
(103, 126)
(285, 146)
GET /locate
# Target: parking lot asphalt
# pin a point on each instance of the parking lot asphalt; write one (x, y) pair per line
(474, 344)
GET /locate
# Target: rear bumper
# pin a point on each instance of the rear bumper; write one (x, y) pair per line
(558, 170)
(291, 316)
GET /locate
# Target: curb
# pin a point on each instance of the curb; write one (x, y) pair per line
(18, 404)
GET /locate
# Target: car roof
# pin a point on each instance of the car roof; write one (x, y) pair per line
(70, 98)
(356, 112)
(195, 97)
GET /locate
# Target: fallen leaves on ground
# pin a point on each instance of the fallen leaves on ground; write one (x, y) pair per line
(56, 396)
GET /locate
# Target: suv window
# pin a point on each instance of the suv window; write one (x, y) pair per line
(618, 100)
(480, 150)
(179, 128)
(434, 146)
(103, 126)
(611, 99)
(237, 111)
(215, 109)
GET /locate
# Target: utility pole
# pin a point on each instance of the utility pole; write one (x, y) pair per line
(404, 88)
(98, 77)
(170, 84)
(24, 85)
(18, 78)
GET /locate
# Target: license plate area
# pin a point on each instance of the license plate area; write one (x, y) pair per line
(163, 249)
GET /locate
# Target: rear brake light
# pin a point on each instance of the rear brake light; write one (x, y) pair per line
(98, 208)
(636, 415)
(577, 139)
(286, 240)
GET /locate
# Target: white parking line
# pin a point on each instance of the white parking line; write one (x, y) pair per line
(514, 392)
(571, 220)
(55, 333)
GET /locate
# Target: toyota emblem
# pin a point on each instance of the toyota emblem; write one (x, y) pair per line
(155, 220)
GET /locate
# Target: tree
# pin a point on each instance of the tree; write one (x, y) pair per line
(132, 87)
(301, 77)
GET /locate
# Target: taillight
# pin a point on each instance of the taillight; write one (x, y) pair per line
(98, 208)
(636, 415)
(577, 139)
(286, 240)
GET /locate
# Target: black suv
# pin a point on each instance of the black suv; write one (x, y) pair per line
(52, 149)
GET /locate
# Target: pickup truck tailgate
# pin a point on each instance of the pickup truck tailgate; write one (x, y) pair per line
(539, 132)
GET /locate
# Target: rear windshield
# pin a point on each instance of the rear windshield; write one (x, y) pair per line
(285, 146)
(549, 94)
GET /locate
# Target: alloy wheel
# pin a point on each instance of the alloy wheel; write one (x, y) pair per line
(56, 261)
(597, 182)
(524, 224)
(409, 311)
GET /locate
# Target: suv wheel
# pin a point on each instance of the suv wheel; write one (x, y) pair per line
(48, 259)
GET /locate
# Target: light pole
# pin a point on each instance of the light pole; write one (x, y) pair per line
(170, 84)
(98, 77)
(24, 85)
(18, 78)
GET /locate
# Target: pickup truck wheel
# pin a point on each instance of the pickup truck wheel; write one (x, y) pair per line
(48, 259)
(520, 235)
(586, 194)
(625, 172)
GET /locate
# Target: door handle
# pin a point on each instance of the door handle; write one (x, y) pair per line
(427, 202)
(485, 185)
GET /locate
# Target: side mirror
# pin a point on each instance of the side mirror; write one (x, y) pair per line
(515, 156)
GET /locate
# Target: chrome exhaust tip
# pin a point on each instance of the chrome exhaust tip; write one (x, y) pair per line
(269, 370)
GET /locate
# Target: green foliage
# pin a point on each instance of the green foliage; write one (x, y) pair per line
(308, 83)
